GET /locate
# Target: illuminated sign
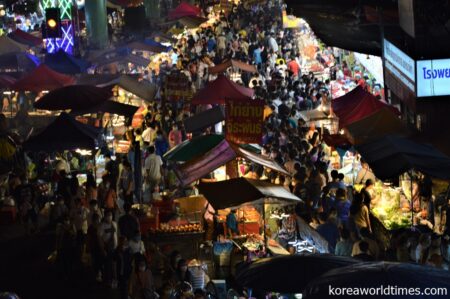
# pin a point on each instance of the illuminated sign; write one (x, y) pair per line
(400, 65)
(433, 77)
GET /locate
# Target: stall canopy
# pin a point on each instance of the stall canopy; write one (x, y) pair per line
(192, 21)
(162, 37)
(313, 115)
(337, 140)
(220, 68)
(372, 275)
(205, 119)
(109, 107)
(118, 55)
(6, 81)
(217, 91)
(303, 269)
(143, 46)
(25, 38)
(43, 78)
(145, 90)
(21, 61)
(375, 126)
(73, 97)
(237, 192)
(356, 105)
(156, 44)
(391, 156)
(184, 9)
(65, 63)
(65, 133)
(193, 148)
(8, 45)
(203, 154)
(96, 79)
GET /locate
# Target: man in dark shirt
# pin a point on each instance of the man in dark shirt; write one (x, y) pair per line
(128, 223)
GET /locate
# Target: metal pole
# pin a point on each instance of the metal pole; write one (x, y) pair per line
(412, 199)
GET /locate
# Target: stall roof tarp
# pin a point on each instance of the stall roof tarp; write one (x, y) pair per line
(43, 78)
(96, 79)
(65, 133)
(196, 147)
(260, 276)
(109, 107)
(25, 38)
(184, 9)
(192, 21)
(73, 97)
(356, 105)
(237, 192)
(373, 274)
(337, 140)
(375, 126)
(220, 68)
(204, 119)
(156, 44)
(221, 154)
(6, 81)
(120, 58)
(20, 61)
(145, 90)
(313, 115)
(391, 156)
(200, 166)
(143, 46)
(65, 63)
(162, 37)
(8, 45)
(220, 89)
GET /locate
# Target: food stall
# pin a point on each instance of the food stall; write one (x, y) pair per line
(246, 196)
(173, 222)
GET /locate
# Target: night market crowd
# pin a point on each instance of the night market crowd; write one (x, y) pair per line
(95, 225)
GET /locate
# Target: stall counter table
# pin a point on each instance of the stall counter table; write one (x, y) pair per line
(194, 238)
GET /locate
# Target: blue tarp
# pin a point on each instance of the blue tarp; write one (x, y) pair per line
(65, 63)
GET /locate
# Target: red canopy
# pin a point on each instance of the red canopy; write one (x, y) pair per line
(42, 78)
(184, 10)
(25, 38)
(356, 105)
(220, 89)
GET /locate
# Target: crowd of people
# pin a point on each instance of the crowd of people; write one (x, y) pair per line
(95, 225)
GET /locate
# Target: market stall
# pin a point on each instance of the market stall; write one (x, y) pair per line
(254, 195)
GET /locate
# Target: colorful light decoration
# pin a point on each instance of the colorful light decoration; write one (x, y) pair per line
(65, 43)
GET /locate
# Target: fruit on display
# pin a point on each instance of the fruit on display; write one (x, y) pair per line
(391, 208)
(187, 228)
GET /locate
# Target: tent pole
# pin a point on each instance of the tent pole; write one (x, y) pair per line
(264, 227)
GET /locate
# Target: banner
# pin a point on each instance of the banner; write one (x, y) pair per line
(178, 87)
(244, 121)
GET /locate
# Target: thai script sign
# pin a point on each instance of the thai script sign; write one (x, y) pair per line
(244, 121)
(433, 77)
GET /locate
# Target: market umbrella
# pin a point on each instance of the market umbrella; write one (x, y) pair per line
(236, 192)
(143, 89)
(293, 272)
(184, 9)
(217, 91)
(65, 133)
(20, 61)
(143, 46)
(110, 107)
(366, 276)
(76, 97)
(192, 21)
